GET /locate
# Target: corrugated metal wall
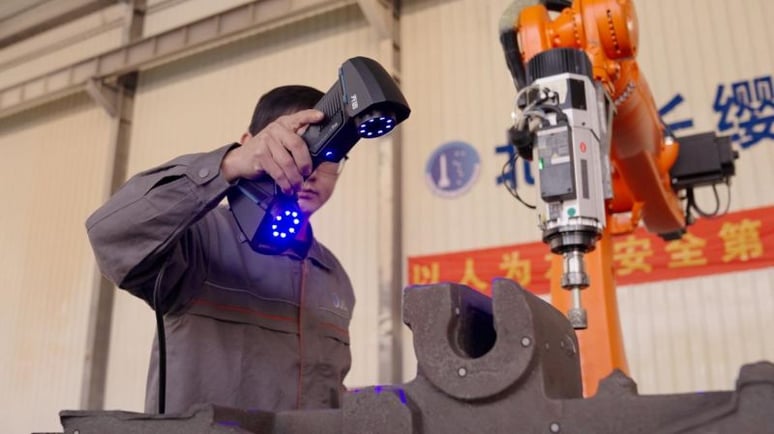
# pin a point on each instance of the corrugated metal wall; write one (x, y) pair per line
(694, 334)
(680, 335)
(455, 77)
(51, 171)
(204, 102)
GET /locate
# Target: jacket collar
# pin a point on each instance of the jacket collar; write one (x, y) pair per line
(320, 255)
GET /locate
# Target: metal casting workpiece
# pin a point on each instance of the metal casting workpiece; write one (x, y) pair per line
(508, 364)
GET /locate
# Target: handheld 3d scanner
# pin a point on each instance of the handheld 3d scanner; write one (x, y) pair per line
(365, 102)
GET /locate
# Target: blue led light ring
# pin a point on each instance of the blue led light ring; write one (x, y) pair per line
(376, 127)
(282, 227)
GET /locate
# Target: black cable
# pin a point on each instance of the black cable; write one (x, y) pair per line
(513, 191)
(690, 204)
(161, 335)
(688, 199)
(560, 115)
(728, 200)
(700, 211)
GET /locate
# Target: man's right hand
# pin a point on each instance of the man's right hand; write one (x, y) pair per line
(277, 150)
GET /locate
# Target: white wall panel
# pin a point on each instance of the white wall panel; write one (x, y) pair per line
(690, 47)
(695, 334)
(455, 77)
(52, 167)
(62, 46)
(204, 102)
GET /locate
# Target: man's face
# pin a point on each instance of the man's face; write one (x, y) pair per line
(317, 189)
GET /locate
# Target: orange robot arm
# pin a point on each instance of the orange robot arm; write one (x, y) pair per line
(635, 157)
(605, 160)
(606, 30)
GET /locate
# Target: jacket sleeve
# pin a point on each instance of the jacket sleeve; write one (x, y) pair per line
(153, 221)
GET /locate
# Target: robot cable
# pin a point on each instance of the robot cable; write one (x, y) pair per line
(512, 190)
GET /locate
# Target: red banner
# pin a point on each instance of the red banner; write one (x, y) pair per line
(734, 242)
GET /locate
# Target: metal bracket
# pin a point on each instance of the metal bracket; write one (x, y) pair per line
(104, 95)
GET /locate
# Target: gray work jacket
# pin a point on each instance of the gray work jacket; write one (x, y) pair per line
(243, 329)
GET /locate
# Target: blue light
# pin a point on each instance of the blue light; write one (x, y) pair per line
(396, 390)
(376, 126)
(329, 153)
(228, 423)
(282, 225)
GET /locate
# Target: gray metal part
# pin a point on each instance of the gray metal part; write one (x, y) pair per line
(557, 180)
(529, 381)
(524, 325)
(207, 418)
(198, 419)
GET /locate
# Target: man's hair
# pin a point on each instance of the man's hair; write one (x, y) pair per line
(281, 101)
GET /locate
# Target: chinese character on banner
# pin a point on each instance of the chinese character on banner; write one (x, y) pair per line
(423, 274)
(741, 240)
(517, 269)
(668, 108)
(630, 255)
(509, 175)
(549, 257)
(469, 277)
(686, 252)
(747, 109)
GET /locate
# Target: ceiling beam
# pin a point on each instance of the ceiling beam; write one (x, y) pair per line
(240, 22)
(43, 16)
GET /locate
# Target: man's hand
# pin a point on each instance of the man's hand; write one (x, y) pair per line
(278, 150)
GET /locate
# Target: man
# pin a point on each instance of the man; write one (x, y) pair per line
(243, 329)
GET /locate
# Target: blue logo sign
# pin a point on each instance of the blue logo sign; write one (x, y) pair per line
(508, 174)
(452, 169)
